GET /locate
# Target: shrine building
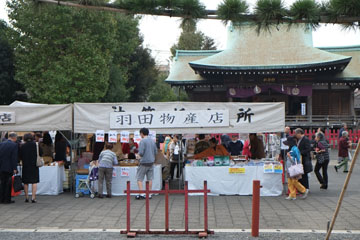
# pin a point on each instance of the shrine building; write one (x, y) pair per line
(280, 65)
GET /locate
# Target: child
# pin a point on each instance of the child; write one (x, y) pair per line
(293, 183)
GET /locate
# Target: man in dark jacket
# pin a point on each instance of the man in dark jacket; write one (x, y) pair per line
(8, 164)
(303, 144)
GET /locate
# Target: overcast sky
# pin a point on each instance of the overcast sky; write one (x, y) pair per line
(160, 33)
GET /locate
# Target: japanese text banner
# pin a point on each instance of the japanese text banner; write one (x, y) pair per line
(242, 117)
(174, 119)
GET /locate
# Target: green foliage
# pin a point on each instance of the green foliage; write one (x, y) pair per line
(62, 54)
(232, 10)
(143, 74)
(127, 40)
(161, 91)
(344, 8)
(9, 89)
(191, 39)
(268, 11)
(307, 10)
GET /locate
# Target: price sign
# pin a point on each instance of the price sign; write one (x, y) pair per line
(237, 170)
(100, 135)
(112, 137)
(278, 168)
(114, 173)
(125, 137)
(137, 137)
(268, 168)
(125, 172)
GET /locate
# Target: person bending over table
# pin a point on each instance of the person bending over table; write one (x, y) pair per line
(256, 147)
(213, 150)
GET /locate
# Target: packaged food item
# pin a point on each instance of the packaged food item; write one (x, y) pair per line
(218, 160)
(225, 160)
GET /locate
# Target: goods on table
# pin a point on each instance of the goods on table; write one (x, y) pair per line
(129, 163)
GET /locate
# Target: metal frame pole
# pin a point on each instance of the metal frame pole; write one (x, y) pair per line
(128, 206)
(255, 208)
(167, 206)
(186, 207)
(205, 207)
(147, 214)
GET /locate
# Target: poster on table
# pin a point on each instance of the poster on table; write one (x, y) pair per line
(125, 136)
(113, 136)
(180, 117)
(124, 172)
(100, 135)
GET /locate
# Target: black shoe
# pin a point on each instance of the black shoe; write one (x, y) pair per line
(100, 196)
(108, 196)
(346, 171)
(26, 200)
(139, 197)
(336, 169)
(12, 201)
(323, 187)
(33, 201)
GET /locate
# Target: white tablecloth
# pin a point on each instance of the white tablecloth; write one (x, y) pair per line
(119, 182)
(51, 180)
(220, 181)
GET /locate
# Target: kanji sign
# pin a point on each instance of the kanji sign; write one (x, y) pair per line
(7, 117)
(100, 136)
(113, 136)
(173, 119)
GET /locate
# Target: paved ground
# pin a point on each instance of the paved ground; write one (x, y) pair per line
(225, 212)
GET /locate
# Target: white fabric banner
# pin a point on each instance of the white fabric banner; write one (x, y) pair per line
(39, 117)
(183, 119)
(7, 118)
(243, 117)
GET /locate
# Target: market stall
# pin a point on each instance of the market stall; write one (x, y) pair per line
(29, 117)
(51, 180)
(123, 174)
(190, 118)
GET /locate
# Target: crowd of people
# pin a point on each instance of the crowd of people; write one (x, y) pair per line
(19, 154)
(302, 151)
(171, 151)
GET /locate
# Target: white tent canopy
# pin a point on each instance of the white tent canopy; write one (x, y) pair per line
(180, 117)
(21, 116)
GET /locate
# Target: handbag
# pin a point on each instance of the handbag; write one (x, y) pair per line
(296, 170)
(39, 159)
(18, 186)
(320, 158)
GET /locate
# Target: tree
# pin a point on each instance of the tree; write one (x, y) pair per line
(127, 40)
(191, 39)
(62, 54)
(143, 74)
(9, 89)
(163, 92)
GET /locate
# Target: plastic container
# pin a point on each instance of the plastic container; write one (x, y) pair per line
(218, 160)
(226, 161)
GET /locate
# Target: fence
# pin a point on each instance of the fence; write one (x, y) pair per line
(132, 233)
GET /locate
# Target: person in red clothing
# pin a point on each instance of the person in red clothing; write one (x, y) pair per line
(344, 145)
(130, 148)
(246, 149)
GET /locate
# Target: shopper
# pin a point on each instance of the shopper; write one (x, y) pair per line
(107, 160)
(342, 129)
(235, 147)
(8, 166)
(202, 144)
(175, 157)
(60, 147)
(293, 157)
(47, 148)
(213, 150)
(322, 160)
(256, 147)
(303, 143)
(344, 145)
(30, 172)
(147, 152)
